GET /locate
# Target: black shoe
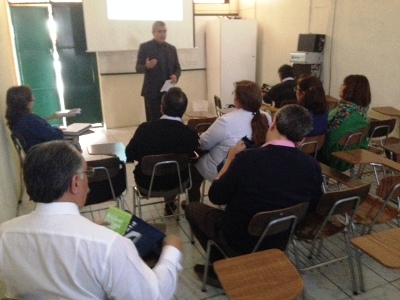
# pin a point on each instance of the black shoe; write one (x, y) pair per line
(169, 208)
(183, 204)
(212, 278)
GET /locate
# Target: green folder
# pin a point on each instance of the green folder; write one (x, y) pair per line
(118, 219)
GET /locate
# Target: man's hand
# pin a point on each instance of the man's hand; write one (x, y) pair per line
(174, 241)
(239, 147)
(102, 222)
(151, 63)
(173, 79)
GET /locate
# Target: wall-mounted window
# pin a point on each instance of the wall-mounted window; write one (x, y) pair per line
(211, 1)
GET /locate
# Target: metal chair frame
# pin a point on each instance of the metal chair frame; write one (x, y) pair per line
(263, 224)
(168, 164)
(110, 172)
(331, 204)
(18, 142)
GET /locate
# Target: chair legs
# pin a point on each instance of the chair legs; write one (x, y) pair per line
(207, 263)
(349, 257)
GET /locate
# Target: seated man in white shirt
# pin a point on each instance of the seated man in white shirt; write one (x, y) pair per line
(55, 253)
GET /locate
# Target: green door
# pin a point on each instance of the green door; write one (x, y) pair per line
(78, 67)
(35, 56)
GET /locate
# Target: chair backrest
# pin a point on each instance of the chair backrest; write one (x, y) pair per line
(380, 128)
(386, 187)
(164, 164)
(342, 201)
(218, 105)
(108, 181)
(264, 224)
(201, 125)
(19, 144)
(312, 144)
(391, 192)
(352, 139)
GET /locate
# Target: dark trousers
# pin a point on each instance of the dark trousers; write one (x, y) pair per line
(203, 220)
(197, 180)
(152, 106)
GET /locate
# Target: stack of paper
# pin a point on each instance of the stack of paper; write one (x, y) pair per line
(68, 112)
(77, 128)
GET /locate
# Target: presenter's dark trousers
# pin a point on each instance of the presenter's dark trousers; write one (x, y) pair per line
(153, 107)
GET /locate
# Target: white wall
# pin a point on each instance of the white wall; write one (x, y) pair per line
(122, 104)
(9, 176)
(362, 38)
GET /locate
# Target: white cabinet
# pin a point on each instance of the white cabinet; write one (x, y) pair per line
(230, 56)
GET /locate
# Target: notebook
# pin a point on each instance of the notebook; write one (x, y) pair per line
(77, 128)
(68, 112)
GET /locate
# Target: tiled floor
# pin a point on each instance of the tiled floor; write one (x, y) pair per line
(330, 282)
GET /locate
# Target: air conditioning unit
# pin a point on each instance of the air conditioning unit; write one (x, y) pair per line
(308, 58)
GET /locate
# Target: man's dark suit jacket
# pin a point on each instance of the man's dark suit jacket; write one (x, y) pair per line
(160, 137)
(281, 91)
(154, 78)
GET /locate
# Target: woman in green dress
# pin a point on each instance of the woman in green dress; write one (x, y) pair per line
(349, 116)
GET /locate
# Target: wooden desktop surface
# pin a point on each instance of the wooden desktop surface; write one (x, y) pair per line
(199, 114)
(340, 177)
(384, 246)
(362, 156)
(269, 275)
(392, 144)
(387, 110)
(117, 149)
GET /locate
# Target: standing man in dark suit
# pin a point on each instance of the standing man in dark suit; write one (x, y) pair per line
(283, 90)
(159, 62)
(165, 135)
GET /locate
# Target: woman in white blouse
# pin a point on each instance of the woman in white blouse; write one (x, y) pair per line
(245, 121)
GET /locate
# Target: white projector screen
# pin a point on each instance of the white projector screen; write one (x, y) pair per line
(105, 34)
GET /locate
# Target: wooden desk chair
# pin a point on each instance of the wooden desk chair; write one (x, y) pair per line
(378, 131)
(392, 148)
(312, 144)
(108, 183)
(383, 246)
(325, 223)
(351, 141)
(262, 225)
(200, 125)
(378, 210)
(268, 275)
(218, 105)
(161, 165)
(20, 144)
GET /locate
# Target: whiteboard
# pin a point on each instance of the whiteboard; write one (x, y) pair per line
(123, 62)
(105, 34)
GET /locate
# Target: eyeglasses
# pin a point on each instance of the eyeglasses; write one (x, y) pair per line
(89, 172)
